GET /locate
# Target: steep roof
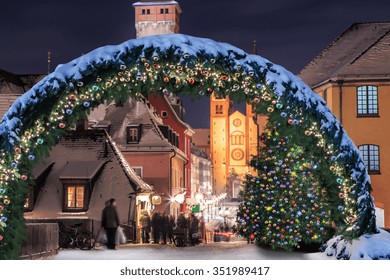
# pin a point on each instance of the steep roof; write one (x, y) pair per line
(12, 86)
(363, 49)
(113, 180)
(137, 112)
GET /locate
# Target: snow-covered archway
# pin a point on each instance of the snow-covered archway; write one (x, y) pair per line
(178, 64)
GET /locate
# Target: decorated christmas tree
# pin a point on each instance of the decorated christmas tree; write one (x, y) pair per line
(286, 205)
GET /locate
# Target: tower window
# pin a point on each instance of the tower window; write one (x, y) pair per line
(218, 109)
(367, 100)
(237, 138)
(148, 11)
(164, 11)
(370, 154)
(143, 11)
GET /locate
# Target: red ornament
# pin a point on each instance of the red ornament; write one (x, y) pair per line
(210, 90)
(24, 177)
(191, 81)
(61, 125)
(224, 77)
(252, 236)
(1, 237)
(1, 207)
(256, 100)
(341, 195)
(155, 65)
(72, 96)
(17, 150)
(166, 79)
(290, 121)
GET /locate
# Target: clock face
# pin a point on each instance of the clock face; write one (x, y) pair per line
(237, 154)
(237, 122)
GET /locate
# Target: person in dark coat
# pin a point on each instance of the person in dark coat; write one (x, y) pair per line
(194, 228)
(110, 222)
(156, 227)
(145, 226)
(171, 225)
(164, 227)
(181, 221)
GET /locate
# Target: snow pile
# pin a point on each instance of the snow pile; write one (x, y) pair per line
(367, 247)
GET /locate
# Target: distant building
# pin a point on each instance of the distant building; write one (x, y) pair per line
(201, 140)
(13, 86)
(79, 176)
(154, 17)
(353, 76)
(233, 141)
(150, 147)
(201, 176)
(171, 112)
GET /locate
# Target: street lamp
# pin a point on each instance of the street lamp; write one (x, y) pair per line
(180, 198)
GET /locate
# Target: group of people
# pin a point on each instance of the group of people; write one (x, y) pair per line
(161, 226)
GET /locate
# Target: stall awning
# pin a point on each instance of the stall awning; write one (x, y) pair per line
(83, 170)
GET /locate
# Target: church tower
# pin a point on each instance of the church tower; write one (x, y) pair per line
(156, 17)
(220, 109)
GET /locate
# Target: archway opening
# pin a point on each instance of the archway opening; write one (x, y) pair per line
(196, 67)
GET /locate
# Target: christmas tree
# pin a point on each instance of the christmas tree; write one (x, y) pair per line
(286, 205)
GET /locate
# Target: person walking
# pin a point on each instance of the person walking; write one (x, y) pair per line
(171, 226)
(110, 222)
(156, 228)
(164, 227)
(145, 226)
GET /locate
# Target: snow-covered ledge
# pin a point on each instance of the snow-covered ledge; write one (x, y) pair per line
(367, 247)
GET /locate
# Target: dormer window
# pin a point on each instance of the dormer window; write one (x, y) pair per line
(78, 179)
(133, 134)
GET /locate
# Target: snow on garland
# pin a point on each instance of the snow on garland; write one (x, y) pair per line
(171, 63)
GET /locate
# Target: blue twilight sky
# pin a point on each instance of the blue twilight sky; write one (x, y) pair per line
(288, 32)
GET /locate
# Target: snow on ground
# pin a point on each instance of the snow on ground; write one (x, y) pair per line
(214, 251)
(367, 247)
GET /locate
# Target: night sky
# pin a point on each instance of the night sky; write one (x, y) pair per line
(288, 32)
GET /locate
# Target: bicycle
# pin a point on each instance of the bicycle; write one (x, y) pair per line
(73, 237)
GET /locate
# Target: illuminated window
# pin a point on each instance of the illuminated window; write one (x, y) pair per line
(75, 197)
(370, 154)
(367, 100)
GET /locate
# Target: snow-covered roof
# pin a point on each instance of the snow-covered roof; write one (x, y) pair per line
(363, 49)
(12, 86)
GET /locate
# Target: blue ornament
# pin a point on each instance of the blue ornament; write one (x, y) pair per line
(40, 141)
(95, 88)
(86, 104)
(14, 164)
(283, 114)
(2, 191)
(31, 157)
(340, 208)
(279, 105)
(69, 111)
(3, 219)
(259, 86)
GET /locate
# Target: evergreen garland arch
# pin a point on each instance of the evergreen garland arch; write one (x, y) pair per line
(192, 66)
